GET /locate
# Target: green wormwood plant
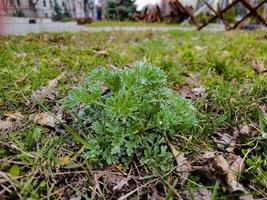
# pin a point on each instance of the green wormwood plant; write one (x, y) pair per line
(131, 117)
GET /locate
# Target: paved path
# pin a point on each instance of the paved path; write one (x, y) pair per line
(23, 29)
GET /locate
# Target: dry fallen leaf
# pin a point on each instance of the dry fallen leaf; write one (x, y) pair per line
(184, 90)
(208, 155)
(48, 91)
(183, 166)
(11, 122)
(44, 119)
(236, 167)
(226, 141)
(258, 67)
(205, 165)
(220, 165)
(215, 166)
(5, 125)
(188, 92)
(245, 130)
(17, 116)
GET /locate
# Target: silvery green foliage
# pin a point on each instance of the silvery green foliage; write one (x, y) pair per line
(132, 117)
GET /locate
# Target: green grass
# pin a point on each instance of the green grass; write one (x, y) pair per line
(49, 164)
(129, 23)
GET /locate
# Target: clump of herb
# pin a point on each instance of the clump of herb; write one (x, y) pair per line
(129, 113)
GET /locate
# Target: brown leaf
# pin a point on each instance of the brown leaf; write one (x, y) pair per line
(236, 167)
(220, 165)
(226, 141)
(11, 122)
(184, 90)
(205, 165)
(49, 91)
(215, 166)
(245, 130)
(258, 67)
(188, 92)
(17, 116)
(183, 166)
(208, 155)
(44, 119)
(5, 125)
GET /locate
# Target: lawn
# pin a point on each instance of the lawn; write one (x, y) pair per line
(43, 146)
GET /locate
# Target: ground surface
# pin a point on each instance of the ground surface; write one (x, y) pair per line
(223, 75)
(25, 28)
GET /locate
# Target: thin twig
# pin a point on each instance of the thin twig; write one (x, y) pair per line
(136, 189)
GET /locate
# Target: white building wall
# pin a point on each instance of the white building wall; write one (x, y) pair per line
(45, 8)
(79, 9)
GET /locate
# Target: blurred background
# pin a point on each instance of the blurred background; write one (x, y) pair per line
(14, 13)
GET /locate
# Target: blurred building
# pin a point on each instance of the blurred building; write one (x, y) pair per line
(46, 8)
